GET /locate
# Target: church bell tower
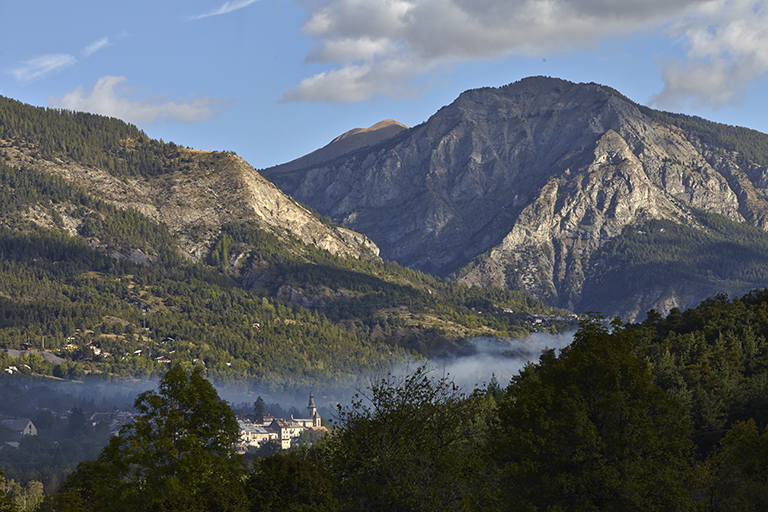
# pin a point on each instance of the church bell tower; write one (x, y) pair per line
(312, 411)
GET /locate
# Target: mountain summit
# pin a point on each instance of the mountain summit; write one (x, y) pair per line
(346, 143)
(532, 186)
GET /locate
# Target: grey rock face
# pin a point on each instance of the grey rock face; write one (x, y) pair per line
(533, 178)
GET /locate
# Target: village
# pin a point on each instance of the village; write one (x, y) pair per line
(254, 432)
(257, 432)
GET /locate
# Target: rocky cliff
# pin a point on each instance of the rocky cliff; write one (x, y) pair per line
(520, 186)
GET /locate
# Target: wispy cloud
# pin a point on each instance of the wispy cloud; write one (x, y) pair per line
(95, 46)
(372, 47)
(727, 50)
(45, 65)
(226, 8)
(107, 97)
(42, 66)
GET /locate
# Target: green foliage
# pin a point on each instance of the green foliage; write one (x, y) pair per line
(259, 409)
(178, 453)
(409, 443)
(89, 139)
(714, 360)
(288, 482)
(220, 253)
(603, 425)
(18, 497)
(590, 430)
(7, 503)
(739, 470)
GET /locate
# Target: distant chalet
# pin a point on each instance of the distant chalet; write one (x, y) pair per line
(23, 427)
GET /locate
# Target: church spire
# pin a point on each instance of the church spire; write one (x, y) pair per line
(312, 410)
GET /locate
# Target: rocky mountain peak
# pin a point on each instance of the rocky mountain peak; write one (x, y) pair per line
(347, 142)
(528, 181)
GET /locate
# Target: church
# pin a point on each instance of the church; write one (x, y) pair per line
(313, 418)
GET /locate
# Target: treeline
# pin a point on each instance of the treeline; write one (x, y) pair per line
(718, 253)
(622, 419)
(751, 145)
(89, 139)
(714, 360)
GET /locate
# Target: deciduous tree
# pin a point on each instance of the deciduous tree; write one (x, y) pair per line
(177, 455)
(290, 483)
(410, 443)
(7, 503)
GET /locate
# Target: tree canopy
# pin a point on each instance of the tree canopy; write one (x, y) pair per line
(177, 454)
(410, 443)
(588, 429)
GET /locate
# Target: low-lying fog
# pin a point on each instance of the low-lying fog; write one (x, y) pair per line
(503, 358)
(480, 359)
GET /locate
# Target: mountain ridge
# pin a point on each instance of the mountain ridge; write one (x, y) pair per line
(196, 201)
(538, 174)
(150, 252)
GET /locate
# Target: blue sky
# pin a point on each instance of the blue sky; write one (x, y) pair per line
(275, 79)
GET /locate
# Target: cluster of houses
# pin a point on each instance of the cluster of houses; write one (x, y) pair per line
(284, 432)
(536, 321)
(115, 419)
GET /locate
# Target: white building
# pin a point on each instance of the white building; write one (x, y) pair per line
(254, 435)
(23, 427)
(313, 419)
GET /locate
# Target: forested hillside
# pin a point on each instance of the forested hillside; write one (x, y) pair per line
(750, 146)
(89, 139)
(667, 415)
(115, 293)
(714, 254)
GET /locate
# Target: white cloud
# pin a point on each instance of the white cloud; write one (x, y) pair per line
(226, 8)
(107, 97)
(42, 66)
(385, 47)
(727, 49)
(96, 46)
(357, 83)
